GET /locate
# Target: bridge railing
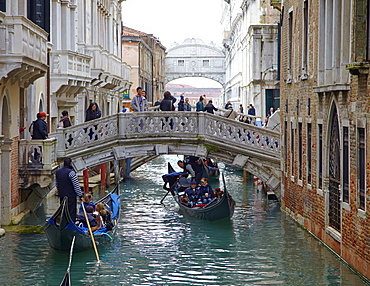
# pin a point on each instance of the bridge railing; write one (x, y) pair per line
(135, 125)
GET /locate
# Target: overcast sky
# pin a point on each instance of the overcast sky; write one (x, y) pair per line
(176, 20)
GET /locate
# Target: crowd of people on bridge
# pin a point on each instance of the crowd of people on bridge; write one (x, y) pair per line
(39, 129)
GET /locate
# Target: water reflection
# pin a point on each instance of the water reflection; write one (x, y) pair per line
(156, 245)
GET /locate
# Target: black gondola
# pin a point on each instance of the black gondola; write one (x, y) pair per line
(218, 208)
(60, 229)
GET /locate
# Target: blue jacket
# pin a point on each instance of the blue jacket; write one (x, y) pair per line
(191, 194)
(40, 129)
(203, 190)
(199, 106)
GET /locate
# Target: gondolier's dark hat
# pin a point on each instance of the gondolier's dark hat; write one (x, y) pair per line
(193, 182)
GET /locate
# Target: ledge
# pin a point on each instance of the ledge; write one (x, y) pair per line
(357, 68)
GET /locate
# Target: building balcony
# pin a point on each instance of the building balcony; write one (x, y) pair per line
(70, 72)
(107, 70)
(23, 53)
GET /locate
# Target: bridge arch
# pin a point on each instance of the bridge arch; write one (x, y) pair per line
(193, 58)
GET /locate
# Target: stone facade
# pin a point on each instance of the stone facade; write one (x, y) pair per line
(324, 107)
(251, 49)
(145, 54)
(55, 56)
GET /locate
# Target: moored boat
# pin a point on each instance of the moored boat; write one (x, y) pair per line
(219, 208)
(60, 229)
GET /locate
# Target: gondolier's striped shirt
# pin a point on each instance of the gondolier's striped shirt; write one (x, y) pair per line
(76, 185)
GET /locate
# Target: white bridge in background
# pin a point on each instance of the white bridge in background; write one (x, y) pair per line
(193, 58)
(128, 135)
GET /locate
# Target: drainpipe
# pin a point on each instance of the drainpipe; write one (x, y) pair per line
(48, 92)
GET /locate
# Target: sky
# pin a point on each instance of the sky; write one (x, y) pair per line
(174, 21)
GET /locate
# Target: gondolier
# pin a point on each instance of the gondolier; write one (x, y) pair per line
(68, 186)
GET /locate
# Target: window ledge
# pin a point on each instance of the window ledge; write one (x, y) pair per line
(334, 234)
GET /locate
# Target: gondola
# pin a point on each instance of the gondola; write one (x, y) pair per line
(215, 210)
(211, 171)
(60, 229)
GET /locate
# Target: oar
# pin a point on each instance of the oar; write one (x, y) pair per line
(164, 197)
(91, 234)
(67, 279)
(168, 190)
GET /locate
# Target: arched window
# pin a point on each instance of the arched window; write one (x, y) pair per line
(334, 172)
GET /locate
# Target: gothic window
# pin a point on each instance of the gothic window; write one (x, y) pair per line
(309, 153)
(334, 173)
(361, 175)
(206, 63)
(181, 63)
(345, 165)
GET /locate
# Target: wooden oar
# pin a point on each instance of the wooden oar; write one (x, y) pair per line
(91, 234)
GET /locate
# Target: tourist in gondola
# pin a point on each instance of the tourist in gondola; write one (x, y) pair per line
(87, 201)
(205, 192)
(105, 216)
(190, 195)
(94, 219)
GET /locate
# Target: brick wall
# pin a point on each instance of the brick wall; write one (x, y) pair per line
(307, 203)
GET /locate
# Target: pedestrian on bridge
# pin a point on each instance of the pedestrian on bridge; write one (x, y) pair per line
(181, 105)
(200, 105)
(210, 108)
(39, 127)
(93, 112)
(67, 186)
(167, 102)
(228, 105)
(64, 121)
(138, 102)
(187, 106)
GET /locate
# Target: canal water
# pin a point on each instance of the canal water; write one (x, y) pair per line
(156, 245)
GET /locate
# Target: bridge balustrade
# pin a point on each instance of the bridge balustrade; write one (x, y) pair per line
(152, 125)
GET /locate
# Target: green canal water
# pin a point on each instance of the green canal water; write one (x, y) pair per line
(155, 245)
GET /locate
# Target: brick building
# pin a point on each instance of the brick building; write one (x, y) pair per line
(324, 105)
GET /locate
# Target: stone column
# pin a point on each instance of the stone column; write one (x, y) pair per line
(5, 182)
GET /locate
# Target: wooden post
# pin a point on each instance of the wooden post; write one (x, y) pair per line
(86, 180)
(116, 172)
(244, 175)
(103, 176)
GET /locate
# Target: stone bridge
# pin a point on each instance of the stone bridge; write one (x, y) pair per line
(128, 135)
